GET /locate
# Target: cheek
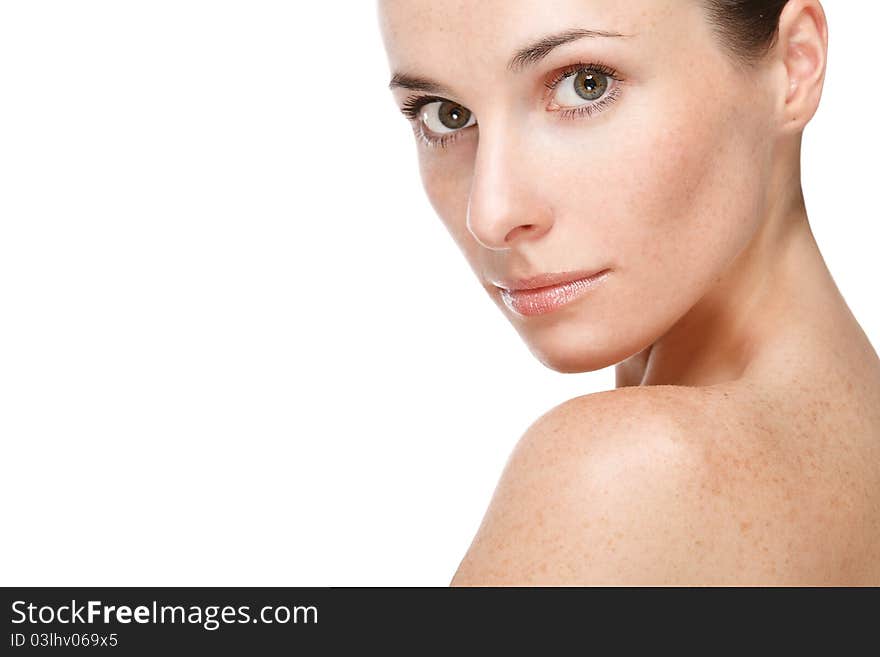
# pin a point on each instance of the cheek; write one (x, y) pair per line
(691, 197)
(446, 181)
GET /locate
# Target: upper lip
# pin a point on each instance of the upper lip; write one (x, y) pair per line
(543, 280)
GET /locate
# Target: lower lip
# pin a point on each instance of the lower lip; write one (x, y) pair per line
(543, 300)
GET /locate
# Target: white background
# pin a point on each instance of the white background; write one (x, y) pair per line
(237, 347)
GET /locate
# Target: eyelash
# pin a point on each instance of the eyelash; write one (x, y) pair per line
(413, 105)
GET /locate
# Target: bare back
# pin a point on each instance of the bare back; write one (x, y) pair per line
(780, 484)
(799, 449)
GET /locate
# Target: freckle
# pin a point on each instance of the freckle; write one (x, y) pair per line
(745, 525)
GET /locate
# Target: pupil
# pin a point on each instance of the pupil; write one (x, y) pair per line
(591, 85)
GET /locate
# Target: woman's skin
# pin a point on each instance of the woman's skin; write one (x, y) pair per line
(741, 444)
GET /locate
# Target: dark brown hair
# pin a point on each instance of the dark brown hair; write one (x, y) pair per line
(747, 28)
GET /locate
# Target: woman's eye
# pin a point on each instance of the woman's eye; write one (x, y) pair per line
(437, 121)
(443, 117)
(586, 84)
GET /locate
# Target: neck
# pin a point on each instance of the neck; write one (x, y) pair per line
(776, 281)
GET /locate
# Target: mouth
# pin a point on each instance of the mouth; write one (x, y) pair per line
(543, 294)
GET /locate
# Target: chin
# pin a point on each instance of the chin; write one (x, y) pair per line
(571, 357)
(587, 347)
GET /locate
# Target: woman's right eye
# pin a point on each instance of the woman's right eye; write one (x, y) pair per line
(445, 116)
(438, 120)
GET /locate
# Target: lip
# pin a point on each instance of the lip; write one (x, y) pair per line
(544, 280)
(545, 293)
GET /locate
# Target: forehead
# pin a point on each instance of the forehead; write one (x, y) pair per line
(483, 33)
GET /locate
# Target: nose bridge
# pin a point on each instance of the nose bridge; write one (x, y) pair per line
(504, 204)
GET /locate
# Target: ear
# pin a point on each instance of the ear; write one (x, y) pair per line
(802, 44)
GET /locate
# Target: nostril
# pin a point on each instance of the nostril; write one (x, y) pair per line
(526, 228)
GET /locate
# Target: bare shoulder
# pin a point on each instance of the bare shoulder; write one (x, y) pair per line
(657, 486)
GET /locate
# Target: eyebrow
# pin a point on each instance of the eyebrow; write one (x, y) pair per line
(526, 56)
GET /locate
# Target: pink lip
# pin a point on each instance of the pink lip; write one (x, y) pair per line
(543, 280)
(548, 292)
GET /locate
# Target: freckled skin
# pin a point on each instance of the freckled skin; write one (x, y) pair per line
(719, 314)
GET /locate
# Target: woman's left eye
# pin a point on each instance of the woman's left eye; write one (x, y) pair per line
(598, 86)
(587, 85)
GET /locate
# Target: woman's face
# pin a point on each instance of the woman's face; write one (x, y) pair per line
(649, 160)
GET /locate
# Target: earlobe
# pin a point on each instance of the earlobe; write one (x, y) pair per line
(803, 43)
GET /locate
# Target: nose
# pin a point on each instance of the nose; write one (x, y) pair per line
(505, 206)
